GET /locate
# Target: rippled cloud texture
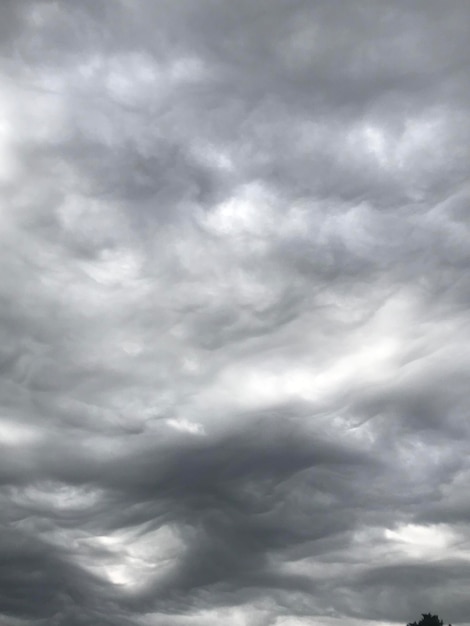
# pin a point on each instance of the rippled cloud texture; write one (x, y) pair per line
(235, 253)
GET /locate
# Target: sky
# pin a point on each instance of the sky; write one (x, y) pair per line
(234, 331)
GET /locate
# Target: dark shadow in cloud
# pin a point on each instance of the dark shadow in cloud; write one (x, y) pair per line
(240, 501)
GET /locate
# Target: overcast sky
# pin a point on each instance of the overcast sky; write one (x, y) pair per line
(234, 330)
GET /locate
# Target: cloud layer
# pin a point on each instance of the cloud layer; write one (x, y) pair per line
(235, 243)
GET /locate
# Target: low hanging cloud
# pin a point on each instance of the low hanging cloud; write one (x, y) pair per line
(233, 312)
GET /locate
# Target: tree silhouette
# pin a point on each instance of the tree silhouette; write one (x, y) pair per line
(428, 620)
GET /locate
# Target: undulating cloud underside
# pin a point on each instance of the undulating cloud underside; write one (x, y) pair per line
(234, 330)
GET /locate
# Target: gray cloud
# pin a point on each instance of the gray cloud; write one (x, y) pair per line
(233, 312)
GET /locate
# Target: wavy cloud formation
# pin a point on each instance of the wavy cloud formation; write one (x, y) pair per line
(235, 252)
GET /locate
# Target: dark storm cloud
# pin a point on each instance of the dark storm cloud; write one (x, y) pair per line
(233, 312)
